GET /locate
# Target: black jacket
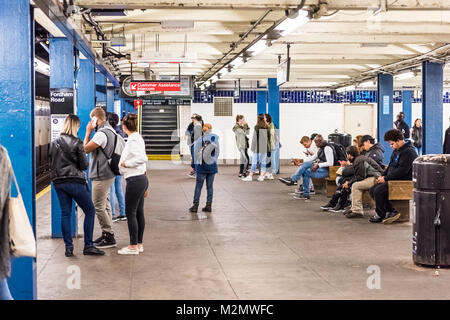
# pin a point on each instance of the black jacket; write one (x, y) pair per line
(68, 165)
(446, 149)
(361, 172)
(400, 166)
(403, 127)
(376, 153)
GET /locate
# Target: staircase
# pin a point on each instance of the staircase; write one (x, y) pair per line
(159, 123)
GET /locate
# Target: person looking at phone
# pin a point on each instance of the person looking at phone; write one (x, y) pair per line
(101, 147)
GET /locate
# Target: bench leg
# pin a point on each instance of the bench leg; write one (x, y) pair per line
(331, 188)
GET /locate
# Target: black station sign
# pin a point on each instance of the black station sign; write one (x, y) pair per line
(61, 101)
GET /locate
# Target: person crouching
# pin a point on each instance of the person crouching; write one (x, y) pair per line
(206, 153)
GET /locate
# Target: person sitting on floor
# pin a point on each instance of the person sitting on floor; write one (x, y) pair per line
(400, 168)
(366, 171)
(316, 166)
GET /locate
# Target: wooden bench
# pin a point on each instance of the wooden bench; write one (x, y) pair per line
(400, 194)
(331, 181)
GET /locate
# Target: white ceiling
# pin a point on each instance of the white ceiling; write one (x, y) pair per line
(342, 46)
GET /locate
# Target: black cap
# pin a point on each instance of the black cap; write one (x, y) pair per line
(367, 138)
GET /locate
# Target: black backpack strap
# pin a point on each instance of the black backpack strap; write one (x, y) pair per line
(107, 140)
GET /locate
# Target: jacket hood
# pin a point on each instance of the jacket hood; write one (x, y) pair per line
(378, 146)
(407, 145)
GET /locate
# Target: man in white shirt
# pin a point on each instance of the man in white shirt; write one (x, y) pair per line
(101, 148)
(315, 166)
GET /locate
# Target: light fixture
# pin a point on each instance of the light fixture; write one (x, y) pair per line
(258, 47)
(237, 62)
(214, 78)
(367, 84)
(347, 88)
(404, 76)
(290, 25)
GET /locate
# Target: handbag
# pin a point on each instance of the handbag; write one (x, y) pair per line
(22, 241)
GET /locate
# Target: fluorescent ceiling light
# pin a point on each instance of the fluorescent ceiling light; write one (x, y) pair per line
(41, 67)
(347, 88)
(404, 76)
(142, 65)
(367, 84)
(258, 47)
(237, 62)
(290, 25)
(214, 78)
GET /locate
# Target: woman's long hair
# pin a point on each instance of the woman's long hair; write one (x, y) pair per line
(261, 122)
(415, 127)
(71, 125)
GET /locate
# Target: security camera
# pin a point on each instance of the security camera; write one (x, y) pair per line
(73, 9)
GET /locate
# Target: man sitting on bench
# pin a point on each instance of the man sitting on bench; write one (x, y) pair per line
(400, 168)
(315, 166)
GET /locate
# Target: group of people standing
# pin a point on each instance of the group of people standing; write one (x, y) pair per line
(110, 158)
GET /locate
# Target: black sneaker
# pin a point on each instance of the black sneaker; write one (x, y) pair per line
(391, 217)
(288, 181)
(69, 252)
(99, 239)
(310, 192)
(107, 242)
(352, 215)
(375, 219)
(123, 218)
(116, 219)
(93, 251)
(336, 209)
(302, 197)
(326, 207)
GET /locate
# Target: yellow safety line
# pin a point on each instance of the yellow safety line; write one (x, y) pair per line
(40, 194)
(163, 157)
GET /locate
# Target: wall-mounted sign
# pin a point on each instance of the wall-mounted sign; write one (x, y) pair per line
(386, 104)
(155, 86)
(137, 104)
(283, 72)
(56, 124)
(61, 101)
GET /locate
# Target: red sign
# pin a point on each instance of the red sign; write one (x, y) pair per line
(137, 103)
(155, 86)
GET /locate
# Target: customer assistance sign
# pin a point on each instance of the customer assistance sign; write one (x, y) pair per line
(155, 86)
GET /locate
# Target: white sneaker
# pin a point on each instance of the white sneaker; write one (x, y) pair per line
(261, 178)
(141, 248)
(247, 178)
(127, 250)
(269, 176)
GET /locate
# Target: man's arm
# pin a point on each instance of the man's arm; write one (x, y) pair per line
(329, 156)
(89, 145)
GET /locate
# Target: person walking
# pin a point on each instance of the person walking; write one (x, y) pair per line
(101, 147)
(241, 130)
(67, 162)
(206, 151)
(416, 135)
(190, 142)
(401, 125)
(260, 147)
(5, 248)
(116, 191)
(272, 167)
(133, 166)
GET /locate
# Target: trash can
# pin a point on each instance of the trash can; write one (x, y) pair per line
(431, 210)
(340, 138)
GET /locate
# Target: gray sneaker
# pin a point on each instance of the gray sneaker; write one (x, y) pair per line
(391, 217)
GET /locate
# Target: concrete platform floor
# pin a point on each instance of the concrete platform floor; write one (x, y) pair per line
(259, 243)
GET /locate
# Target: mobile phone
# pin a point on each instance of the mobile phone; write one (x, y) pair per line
(94, 122)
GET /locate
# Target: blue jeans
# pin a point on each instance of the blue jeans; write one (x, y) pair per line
(262, 159)
(117, 189)
(192, 158)
(305, 172)
(201, 177)
(419, 151)
(67, 192)
(5, 294)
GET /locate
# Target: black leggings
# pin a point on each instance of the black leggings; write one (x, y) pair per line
(134, 207)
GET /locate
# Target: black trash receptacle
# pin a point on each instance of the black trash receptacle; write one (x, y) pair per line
(340, 138)
(431, 210)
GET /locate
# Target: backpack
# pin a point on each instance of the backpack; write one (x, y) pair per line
(339, 153)
(114, 159)
(207, 150)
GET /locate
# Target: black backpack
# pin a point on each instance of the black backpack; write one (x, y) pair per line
(339, 152)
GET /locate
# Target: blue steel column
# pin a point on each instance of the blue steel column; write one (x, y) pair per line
(407, 96)
(100, 88)
(85, 94)
(385, 110)
(432, 106)
(61, 76)
(17, 121)
(261, 99)
(110, 99)
(274, 111)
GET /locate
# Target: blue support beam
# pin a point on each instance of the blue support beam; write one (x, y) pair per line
(432, 107)
(407, 97)
(85, 94)
(385, 111)
(100, 88)
(17, 122)
(274, 111)
(61, 76)
(261, 99)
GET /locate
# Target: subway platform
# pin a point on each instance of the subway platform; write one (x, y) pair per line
(258, 243)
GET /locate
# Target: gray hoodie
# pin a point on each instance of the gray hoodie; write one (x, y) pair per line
(5, 189)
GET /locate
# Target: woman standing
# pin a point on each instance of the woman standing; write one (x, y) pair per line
(206, 151)
(133, 166)
(68, 160)
(260, 147)
(241, 130)
(416, 135)
(271, 154)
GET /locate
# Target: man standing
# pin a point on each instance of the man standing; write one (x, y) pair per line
(102, 147)
(401, 125)
(316, 166)
(447, 141)
(372, 150)
(400, 168)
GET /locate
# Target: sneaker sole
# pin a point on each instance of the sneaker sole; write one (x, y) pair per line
(356, 216)
(129, 254)
(392, 219)
(107, 246)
